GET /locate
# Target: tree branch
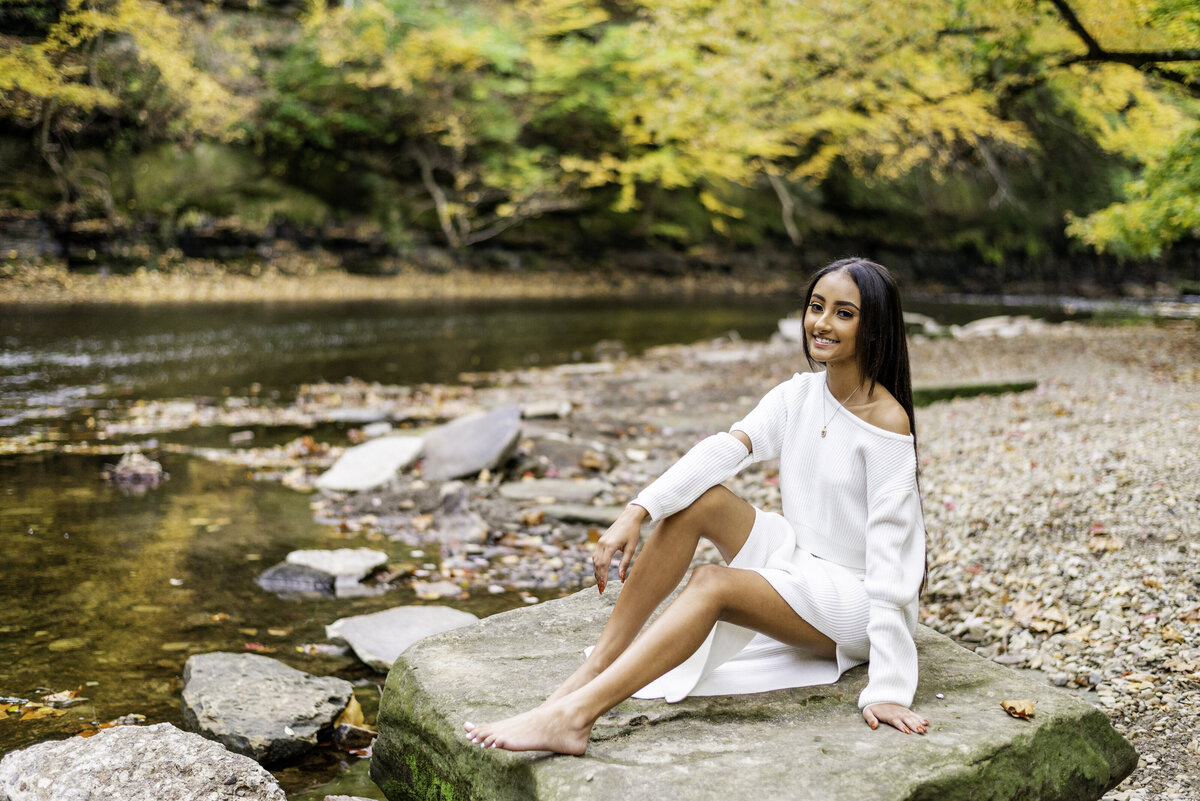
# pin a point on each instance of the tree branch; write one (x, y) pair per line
(440, 203)
(1149, 60)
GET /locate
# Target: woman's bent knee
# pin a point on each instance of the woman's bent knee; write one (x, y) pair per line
(709, 581)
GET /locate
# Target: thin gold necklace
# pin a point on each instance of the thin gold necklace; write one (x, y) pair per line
(825, 428)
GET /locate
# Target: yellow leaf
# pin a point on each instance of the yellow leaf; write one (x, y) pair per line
(352, 715)
(1171, 634)
(1022, 709)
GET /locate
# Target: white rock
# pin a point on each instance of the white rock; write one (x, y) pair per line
(381, 637)
(352, 563)
(370, 465)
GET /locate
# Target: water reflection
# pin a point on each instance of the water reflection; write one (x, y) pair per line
(112, 592)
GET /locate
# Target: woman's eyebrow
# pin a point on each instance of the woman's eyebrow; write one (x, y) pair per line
(821, 298)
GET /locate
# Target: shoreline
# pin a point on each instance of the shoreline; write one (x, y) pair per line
(54, 285)
(204, 282)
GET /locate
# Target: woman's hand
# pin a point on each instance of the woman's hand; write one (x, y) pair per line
(623, 536)
(900, 717)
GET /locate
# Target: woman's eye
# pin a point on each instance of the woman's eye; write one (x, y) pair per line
(846, 315)
(814, 307)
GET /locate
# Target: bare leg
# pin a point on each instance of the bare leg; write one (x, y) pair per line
(715, 593)
(719, 516)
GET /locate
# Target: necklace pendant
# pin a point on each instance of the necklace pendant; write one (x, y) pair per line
(823, 430)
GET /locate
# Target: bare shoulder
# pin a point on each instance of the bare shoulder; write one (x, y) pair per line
(885, 412)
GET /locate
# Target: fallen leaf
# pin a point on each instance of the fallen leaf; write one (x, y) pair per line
(1171, 634)
(352, 715)
(279, 632)
(1105, 544)
(39, 712)
(248, 632)
(1022, 709)
(64, 698)
(534, 517)
(259, 648)
(219, 617)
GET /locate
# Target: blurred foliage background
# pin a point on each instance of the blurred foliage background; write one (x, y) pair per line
(1006, 129)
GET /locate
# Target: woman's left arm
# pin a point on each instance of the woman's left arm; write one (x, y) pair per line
(895, 566)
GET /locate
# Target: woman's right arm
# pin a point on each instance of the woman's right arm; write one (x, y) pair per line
(625, 532)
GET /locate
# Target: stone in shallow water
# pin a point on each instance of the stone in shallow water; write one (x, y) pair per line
(259, 707)
(465, 446)
(807, 743)
(380, 637)
(370, 465)
(289, 579)
(349, 563)
(134, 763)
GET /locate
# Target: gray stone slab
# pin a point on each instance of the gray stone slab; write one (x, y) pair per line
(808, 744)
(370, 465)
(380, 637)
(581, 513)
(259, 707)
(465, 446)
(555, 489)
(134, 763)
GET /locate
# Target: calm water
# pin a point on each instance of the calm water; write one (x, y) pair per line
(112, 592)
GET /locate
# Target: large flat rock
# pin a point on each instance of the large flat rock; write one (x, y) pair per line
(807, 743)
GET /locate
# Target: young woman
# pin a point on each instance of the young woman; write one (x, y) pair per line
(829, 584)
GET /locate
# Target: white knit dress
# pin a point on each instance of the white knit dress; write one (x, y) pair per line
(848, 553)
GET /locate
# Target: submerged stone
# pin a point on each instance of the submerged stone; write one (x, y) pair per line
(806, 743)
(287, 579)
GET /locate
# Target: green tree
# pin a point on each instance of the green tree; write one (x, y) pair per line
(102, 67)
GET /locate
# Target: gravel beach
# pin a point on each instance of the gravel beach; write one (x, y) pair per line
(1063, 522)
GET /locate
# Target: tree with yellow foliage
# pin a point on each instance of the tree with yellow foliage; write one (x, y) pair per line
(96, 69)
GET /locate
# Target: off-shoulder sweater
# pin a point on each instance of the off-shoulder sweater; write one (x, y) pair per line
(850, 497)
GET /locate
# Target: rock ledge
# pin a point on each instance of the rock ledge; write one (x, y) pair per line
(807, 743)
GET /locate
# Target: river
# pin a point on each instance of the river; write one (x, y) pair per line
(110, 592)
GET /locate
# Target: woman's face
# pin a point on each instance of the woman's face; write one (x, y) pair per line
(831, 319)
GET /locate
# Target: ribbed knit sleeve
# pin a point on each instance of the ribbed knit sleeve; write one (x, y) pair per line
(895, 565)
(767, 422)
(711, 461)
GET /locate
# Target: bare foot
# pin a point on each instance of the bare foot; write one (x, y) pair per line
(553, 726)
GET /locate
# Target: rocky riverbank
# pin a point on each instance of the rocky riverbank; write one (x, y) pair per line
(1062, 521)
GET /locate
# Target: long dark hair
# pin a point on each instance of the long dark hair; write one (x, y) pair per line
(881, 347)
